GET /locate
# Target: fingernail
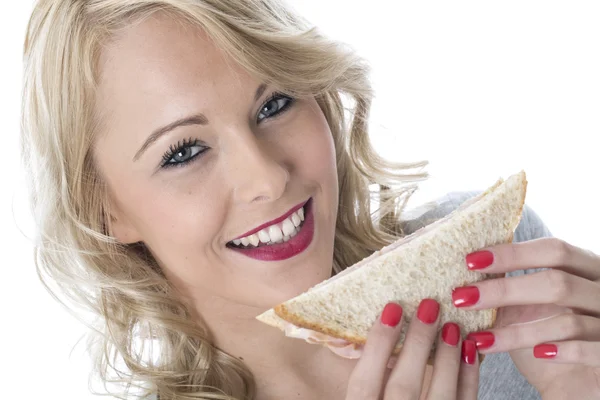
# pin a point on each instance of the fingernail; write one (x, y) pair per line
(480, 260)
(483, 340)
(545, 351)
(428, 311)
(451, 333)
(391, 315)
(465, 296)
(469, 352)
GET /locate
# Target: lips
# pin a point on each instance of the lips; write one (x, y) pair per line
(275, 221)
(288, 236)
(275, 233)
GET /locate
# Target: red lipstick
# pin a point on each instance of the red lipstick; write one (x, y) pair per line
(285, 250)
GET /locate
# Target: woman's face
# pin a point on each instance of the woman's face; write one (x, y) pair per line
(197, 154)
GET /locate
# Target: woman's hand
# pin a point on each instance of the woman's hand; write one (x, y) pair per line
(452, 379)
(549, 321)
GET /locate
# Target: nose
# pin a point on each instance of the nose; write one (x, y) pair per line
(255, 172)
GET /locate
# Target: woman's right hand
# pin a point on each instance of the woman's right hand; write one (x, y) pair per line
(455, 376)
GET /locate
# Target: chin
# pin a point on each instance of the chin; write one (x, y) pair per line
(302, 282)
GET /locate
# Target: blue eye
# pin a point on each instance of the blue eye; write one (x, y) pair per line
(182, 153)
(275, 105)
(186, 151)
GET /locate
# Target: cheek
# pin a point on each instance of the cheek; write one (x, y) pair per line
(184, 217)
(178, 219)
(314, 150)
(180, 229)
(315, 163)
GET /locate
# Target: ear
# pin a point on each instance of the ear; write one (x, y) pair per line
(119, 226)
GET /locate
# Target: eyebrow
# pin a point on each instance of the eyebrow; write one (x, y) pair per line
(196, 119)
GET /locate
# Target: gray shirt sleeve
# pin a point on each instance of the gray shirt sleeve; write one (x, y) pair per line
(499, 378)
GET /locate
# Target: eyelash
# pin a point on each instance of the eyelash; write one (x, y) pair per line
(188, 143)
(177, 148)
(277, 96)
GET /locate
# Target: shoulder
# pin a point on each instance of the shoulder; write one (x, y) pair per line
(531, 225)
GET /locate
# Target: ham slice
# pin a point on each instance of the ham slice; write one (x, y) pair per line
(338, 346)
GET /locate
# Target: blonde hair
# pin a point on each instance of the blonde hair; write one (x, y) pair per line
(121, 285)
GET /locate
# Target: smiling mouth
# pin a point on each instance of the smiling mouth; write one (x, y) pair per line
(280, 232)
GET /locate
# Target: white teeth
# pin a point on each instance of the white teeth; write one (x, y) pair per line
(278, 233)
(287, 227)
(264, 236)
(275, 233)
(254, 239)
(296, 219)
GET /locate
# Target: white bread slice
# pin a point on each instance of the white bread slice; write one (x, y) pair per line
(427, 264)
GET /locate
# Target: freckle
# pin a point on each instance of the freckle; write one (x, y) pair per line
(242, 358)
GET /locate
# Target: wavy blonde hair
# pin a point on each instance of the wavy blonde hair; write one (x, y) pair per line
(86, 269)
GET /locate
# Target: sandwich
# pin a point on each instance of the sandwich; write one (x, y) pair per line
(429, 263)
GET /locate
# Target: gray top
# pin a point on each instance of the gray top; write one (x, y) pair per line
(499, 378)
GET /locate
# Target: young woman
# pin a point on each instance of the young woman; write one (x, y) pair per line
(167, 141)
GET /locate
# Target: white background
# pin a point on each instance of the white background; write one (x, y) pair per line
(481, 89)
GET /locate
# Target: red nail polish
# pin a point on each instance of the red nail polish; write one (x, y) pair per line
(428, 311)
(480, 260)
(451, 333)
(483, 340)
(391, 315)
(545, 351)
(465, 296)
(469, 352)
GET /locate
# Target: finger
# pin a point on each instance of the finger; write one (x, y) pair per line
(366, 379)
(468, 378)
(522, 336)
(538, 253)
(444, 381)
(570, 352)
(546, 287)
(513, 315)
(407, 376)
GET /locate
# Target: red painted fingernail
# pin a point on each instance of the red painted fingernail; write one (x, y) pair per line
(451, 333)
(428, 311)
(480, 260)
(465, 296)
(483, 340)
(545, 351)
(391, 315)
(469, 352)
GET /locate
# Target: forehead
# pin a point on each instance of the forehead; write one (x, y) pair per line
(163, 58)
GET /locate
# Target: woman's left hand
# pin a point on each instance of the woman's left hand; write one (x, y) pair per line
(548, 321)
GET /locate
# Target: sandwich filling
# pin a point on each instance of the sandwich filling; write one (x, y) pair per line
(339, 346)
